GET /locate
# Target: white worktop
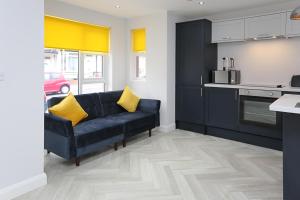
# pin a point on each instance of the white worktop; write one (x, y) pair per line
(283, 89)
(286, 104)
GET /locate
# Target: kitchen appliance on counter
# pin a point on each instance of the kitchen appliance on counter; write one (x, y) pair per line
(234, 77)
(226, 77)
(295, 82)
(228, 63)
(255, 117)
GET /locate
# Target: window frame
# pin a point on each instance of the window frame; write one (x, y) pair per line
(105, 70)
(135, 68)
(80, 72)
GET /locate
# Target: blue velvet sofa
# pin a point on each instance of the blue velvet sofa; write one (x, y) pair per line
(107, 124)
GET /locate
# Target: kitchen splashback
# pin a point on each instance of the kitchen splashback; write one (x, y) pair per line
(264, 62)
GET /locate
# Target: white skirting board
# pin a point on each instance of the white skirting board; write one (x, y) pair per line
(23, 187)
(167, 128)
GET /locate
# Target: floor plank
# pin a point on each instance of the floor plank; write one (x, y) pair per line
(176, 166)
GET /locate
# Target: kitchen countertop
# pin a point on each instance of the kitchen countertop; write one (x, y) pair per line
(286, 104)
(283, 89)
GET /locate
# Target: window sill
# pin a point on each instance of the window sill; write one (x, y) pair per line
(139, 80)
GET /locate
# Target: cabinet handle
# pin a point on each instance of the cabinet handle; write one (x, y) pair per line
(226, 38)
(236, 95)
(264, 35)
(201, 80)
(201, 92)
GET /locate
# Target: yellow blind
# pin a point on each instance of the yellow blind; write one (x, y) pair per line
(67, 34)
(138, 40)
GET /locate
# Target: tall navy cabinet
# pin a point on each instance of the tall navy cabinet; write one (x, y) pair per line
(196, 57)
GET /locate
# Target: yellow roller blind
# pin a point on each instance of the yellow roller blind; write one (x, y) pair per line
(138, 37)
(67, 34)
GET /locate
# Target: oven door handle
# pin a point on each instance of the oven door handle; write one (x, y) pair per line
(260, 93)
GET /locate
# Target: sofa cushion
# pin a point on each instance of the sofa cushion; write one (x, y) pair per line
(109, 103)
(69, 109)
(128, 100)
(96, 130)
(89, 102)
(134, 121)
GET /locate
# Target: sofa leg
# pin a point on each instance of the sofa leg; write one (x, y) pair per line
(124, 143)
(77, 161)
(116, 146)
(150, 133)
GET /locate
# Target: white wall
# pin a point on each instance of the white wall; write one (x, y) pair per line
(262, 62)
(155, 84)
(160, 55)
(118, 36)
(171, 68)
(21, 100)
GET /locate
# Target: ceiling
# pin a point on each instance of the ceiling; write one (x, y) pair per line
(186, 8)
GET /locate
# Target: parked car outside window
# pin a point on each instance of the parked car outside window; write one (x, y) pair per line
(56, 83)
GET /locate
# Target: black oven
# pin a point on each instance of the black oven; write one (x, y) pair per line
(255, 117)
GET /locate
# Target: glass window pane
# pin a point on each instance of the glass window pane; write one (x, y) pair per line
(60, 72)
(100, 66)
(93, 67)
(141, 67)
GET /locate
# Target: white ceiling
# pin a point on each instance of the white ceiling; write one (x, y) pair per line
(187, 8)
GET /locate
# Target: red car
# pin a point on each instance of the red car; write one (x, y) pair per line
(56, 83)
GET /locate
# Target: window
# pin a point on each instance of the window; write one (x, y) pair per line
(73, 71)
(93, 66)
(138, 37)
(61, 72)
(93, 73)
(140, 67)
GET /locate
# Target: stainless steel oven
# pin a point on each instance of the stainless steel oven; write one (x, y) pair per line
(255, 116)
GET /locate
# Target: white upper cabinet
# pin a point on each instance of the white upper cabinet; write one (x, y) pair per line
(292, 26)
(228, 31)
(266, 26)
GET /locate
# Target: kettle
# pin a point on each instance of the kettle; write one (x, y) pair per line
(228, 63)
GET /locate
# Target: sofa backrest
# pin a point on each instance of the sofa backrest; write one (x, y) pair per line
(89, 102)
(109, 104)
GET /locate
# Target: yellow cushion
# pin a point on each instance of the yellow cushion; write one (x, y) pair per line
(69, 109)
(128, 100)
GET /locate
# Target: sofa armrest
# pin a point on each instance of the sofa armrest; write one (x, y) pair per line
(152, 106)
(58, 125)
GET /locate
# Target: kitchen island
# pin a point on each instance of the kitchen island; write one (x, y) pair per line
(291, 144)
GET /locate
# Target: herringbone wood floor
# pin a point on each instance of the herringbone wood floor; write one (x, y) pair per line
(179, 165)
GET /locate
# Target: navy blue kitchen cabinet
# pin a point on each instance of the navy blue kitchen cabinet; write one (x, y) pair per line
(223, 119)
(190, 104)
(222, 107)
(291, 158)
(196, 57)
